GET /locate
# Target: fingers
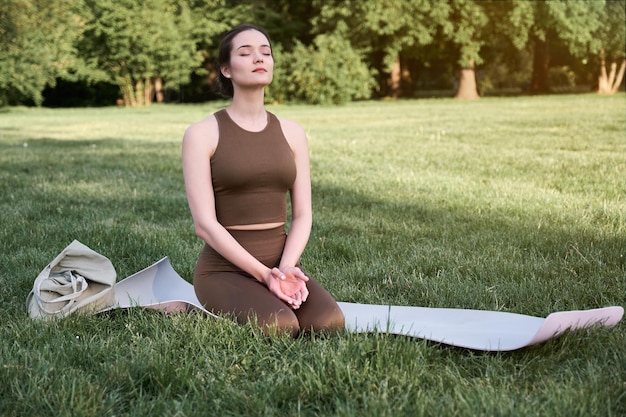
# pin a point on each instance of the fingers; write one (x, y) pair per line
(274, 285)
(299, 298)
(277, 273)
(277, 291)
(289, 285)
(293, 302)
(296, 272)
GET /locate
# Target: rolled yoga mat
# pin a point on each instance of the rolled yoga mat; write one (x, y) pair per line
(160, 287)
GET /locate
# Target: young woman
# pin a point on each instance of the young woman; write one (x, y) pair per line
(239, 165)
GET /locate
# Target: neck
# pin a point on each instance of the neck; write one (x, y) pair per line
(247, 109)
(248, 102)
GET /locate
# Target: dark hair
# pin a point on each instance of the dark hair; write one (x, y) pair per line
(223, 56)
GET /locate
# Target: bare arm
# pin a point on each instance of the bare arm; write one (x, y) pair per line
(300, 193)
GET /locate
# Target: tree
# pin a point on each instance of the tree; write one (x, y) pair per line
(37, 46)
(504, 52)
(611, 36)
(386, 32)
(571, 25)
(480, 29)
(140, 45)
(465, 29)
(285, 20)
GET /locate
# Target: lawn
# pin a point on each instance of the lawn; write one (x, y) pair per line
(508, 204)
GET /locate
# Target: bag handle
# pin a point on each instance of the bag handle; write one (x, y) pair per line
(79, 285)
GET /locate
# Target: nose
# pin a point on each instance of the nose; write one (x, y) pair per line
(258, 58)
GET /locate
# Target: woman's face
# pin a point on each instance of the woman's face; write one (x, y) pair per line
(251, 62)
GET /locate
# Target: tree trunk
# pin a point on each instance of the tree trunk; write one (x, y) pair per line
(610, 83)
(124, 82)
(158, 89)
(143, 92)
(400, 79)
(383, 78)
(126, 87)
(619, 78)
(139, 93)
(406, 80)
(395, 78)
(147, 92)
(467, 84)
(541, 63)
(126, 96)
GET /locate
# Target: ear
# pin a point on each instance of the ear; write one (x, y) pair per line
(225, 71)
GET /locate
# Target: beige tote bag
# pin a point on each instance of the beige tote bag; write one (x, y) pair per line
(78, 280)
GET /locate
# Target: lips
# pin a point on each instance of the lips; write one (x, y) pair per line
(259, 70)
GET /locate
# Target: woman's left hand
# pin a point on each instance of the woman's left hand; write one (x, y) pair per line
(294, 284)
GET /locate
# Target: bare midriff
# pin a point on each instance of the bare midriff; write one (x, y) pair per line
(261, 226)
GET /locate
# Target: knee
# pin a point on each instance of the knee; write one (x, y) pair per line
(331, 321)
(336, 321)
(283, 322)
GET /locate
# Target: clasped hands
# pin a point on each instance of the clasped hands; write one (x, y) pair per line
(289, 285)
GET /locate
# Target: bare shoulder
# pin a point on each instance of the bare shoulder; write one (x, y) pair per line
(294, 133)
(204, 133)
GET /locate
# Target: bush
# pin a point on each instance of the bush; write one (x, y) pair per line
(328, 72)
(276, 91)
(562, 77)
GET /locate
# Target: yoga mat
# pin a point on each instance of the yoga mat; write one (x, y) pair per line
(160, 287)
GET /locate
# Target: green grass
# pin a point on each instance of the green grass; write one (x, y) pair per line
(510, 204)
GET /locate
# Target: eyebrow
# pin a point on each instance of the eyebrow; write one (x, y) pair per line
(250, 46)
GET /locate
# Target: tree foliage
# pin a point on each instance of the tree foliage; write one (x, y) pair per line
(329, 51)
(138, 43)
(465, 29)
(612, 47)
(382, 30)
(37, 46)
(329, 71)
(554, 24)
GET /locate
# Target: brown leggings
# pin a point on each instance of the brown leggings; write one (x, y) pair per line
(225, 289)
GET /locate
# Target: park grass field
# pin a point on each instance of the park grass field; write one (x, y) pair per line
(509, 204)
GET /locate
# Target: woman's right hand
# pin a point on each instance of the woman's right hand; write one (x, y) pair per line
(287, 287)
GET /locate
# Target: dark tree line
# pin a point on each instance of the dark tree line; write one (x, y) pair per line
(327, 51)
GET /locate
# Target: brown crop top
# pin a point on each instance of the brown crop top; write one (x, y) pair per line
(252, 172)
